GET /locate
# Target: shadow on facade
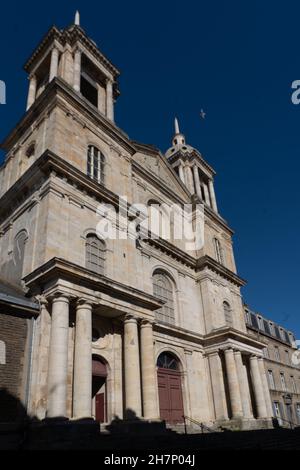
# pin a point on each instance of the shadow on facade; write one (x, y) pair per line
(132, 424)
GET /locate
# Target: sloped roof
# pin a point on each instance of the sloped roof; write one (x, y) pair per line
(12, 295)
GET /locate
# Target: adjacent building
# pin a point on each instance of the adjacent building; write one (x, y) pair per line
(282, 366)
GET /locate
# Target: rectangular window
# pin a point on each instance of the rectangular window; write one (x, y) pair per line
(287, 357)
(282, 380)
(266, 353)
(271, 380)
(276, 354)
(277, 412)
(293, 385)
(272, 328)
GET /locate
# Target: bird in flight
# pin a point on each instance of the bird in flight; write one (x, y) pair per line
(202, 114)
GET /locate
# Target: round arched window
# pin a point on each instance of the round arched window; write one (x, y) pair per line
(167, 360)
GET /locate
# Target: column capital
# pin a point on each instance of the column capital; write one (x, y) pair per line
(60, 297)
(42, 300)
(212, 354)
(229, 349)
(253, 357)
(81, 301)
(129, 318)
(145, 323)
(237, 352)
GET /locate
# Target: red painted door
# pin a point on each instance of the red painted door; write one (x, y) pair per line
(170, 395)
(100, 408)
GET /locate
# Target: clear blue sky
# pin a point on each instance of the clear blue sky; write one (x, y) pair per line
(234, 59)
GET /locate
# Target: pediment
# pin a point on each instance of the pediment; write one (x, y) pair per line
(158, 166)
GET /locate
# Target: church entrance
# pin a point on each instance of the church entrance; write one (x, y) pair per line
(99, 392)
(170, 388)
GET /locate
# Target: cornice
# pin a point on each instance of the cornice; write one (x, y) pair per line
(217, 338)
(58, 268)
(191, 155)
(58, 87)
(213, 265)
(70, 35)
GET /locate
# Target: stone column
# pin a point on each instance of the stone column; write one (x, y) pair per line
(206, 194)
(244, 385)
(31, 91)
(132, 367)
(109, 100)
(77, 70)
(181, 173)
(197, 182)
(149, 392)
(82, 391)
(53, 64)
(212, 195)
(233, 383)
(101, 99)
(58, 358)
(189, 179)
(258, 388)
(265, 387)
(218, 388)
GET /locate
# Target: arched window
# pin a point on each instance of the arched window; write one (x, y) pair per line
(95, 164)
(218, 251)
(159, 219)
(95, 250)
(167, 360)
(163, 289)
(227, 313)
(19, 253)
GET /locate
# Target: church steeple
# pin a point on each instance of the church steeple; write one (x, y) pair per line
(192, 169)
(72, 56)
(178, 139)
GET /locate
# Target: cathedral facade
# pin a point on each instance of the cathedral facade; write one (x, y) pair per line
(128, 327)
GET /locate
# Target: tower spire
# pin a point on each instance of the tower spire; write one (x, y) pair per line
(77, 18)
(177, 131)
(178, 139)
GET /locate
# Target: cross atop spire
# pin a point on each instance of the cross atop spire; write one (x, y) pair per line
(77, 18)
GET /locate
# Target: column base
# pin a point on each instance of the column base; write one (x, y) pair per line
(245, 424)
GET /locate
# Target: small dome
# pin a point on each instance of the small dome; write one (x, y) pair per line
(182, 148)
(178, 143)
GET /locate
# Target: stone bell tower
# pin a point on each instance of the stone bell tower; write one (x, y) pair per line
(192, 169)
(70, 55)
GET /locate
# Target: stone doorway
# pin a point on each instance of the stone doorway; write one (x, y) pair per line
(99, 389)
(170, 389)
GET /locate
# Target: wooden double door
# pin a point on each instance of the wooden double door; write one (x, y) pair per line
(170, 395)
